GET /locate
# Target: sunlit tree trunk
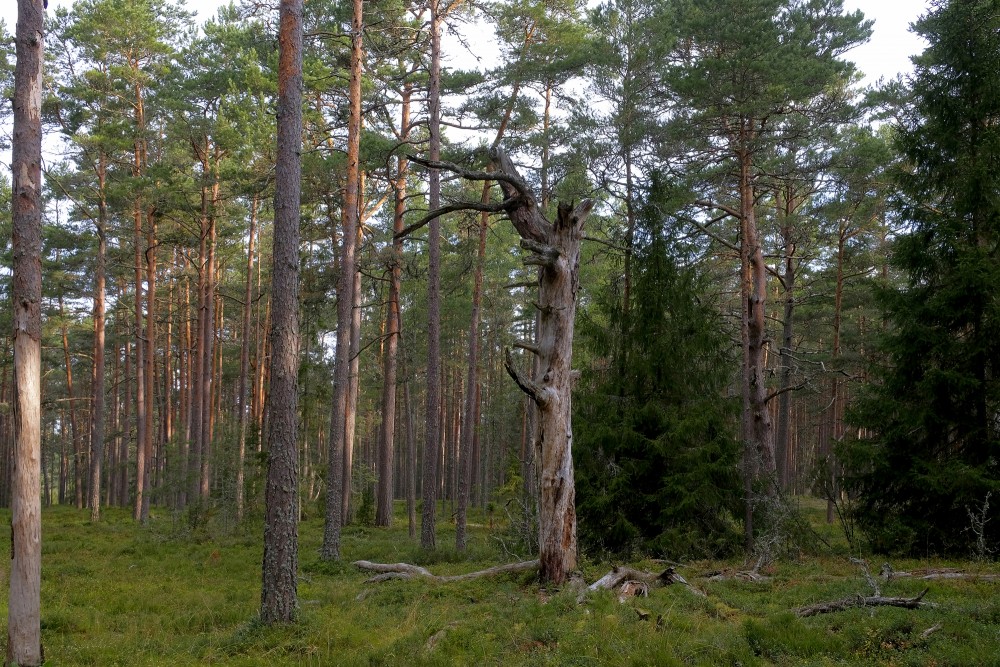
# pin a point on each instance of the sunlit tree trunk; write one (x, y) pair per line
(335, 497)
(280, 569)
(433, 407)
(387, 434)
(24, 643)
(98, 389)
(245, 361)
(146, 445)
(74, 426)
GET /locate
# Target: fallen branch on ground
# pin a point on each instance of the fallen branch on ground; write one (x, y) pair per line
(389, 571)
(862, 601)
(628, 581)
(726, 575)
(931, 574)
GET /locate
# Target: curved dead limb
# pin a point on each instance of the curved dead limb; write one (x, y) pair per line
(444, 210)
(535, 391)
(862, 601)
(389, 571)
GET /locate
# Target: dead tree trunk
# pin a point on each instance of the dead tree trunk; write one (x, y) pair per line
(555, 249)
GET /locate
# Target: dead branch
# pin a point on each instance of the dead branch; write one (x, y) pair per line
(542, 254)
(388, 571)
(529, 387)
(863, 564)
(507, 175)
(449, 208)
(529, 347)
(931, 630)
(862, 601)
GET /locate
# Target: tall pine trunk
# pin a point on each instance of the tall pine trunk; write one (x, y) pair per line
(245, 361)
(97, 390)
(280, 568)
(335, 494)
(432, 433)
(387, 434)
(78, 461)
(149, 375)
(24, 643)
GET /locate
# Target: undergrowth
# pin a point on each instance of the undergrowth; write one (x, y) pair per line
(170, 593)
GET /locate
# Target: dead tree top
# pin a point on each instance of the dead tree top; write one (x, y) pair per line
(519, 202)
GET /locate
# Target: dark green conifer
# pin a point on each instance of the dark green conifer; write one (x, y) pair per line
(656, 450)
(934, 452)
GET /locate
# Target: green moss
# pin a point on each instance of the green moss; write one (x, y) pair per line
(116, 593)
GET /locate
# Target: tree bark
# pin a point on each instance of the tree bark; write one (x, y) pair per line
(756, 430)
(432, 434)
(353, 384)
(335, 493)
(280, 568)
(245, 361)
(147, 442)
(97, 390)
(74, 426)
(384, 488)
(143, 402)
(140, 354)
(208, 359)
(786, 205)
(196, 363)
(24, 643)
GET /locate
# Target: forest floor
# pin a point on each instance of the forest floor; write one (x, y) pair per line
(166, 594)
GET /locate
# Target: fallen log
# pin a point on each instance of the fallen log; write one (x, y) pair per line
(932, 574)
(623, 575)
(389, 571)
(742, 575)
(864, 601)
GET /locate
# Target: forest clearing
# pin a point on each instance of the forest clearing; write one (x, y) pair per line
(682, 350)
(116, 593)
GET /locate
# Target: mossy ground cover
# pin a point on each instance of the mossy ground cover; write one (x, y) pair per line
(116, 593)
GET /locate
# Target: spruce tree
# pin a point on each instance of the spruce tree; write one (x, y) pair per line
(656, 448)
(932, 458)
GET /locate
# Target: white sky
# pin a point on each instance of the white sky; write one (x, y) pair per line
(886, 55)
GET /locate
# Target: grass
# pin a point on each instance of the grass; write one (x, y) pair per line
(119, 594)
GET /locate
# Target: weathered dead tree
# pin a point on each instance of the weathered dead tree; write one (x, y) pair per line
(554, 247)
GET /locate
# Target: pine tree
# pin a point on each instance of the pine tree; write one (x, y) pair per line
(933, 455)
(744, 78)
